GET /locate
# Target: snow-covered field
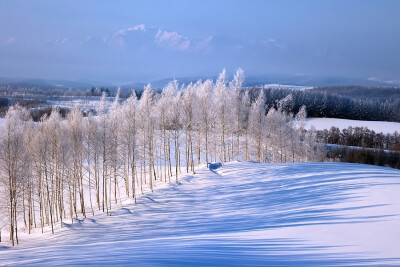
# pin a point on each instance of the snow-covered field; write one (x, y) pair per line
(378, 126)
(239, 214)
(286, 86)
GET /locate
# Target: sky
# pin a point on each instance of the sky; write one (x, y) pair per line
(131, 41)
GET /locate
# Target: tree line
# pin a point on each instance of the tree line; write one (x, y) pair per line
(377, 157)
(339, 102)
(360, 137)
(346, 102)
(59, 169)
(362, 145)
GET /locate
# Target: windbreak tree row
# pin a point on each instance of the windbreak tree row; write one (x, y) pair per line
(340, 102)
(64, 169)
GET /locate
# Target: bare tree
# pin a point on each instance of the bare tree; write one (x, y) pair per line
(13, 162)
(50, 170)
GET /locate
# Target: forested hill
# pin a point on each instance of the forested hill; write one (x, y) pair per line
(347, 102)
(361, 92)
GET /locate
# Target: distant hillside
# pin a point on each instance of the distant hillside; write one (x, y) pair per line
(361, 92)
(250, 81)
(347, 102)
(43, 84)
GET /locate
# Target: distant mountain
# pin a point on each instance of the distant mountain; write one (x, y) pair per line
(303, 81)
(50, 84)
(312, 81)
(250, 81)
(81, 84)
(23, 82)
(181, 80)
(130, 86)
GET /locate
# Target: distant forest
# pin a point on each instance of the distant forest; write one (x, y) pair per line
(361, 145)
(345, 102)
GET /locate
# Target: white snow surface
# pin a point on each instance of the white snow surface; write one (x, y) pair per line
(239, 214)
(287, 86)
(378, 126)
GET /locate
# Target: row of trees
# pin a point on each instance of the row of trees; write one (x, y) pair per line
(335, 103)
(347, 102)
(366, 156)
(96, 91)
(360, 137)
(68, 168)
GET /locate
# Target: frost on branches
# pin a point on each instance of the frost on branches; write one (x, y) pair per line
(64, 169)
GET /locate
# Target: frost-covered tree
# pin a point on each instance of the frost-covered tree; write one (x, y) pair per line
(93, 157)
(221, 103)
(104, 147)
(13, 163)
(174, 120)
(59, 168)
(205, 114)
(237, 110)
(114, 116)
(187, 124)
(145, 129)
(244, 116)
(129, 135)
(76, 135)
(257, 122)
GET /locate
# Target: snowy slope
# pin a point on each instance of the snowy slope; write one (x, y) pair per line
(286, 86)
(377, 126)
(240, 214)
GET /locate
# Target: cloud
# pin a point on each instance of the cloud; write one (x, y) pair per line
(117, 38)
(205, 44)
(140, 27)
(162, 38)
(172, 40)
(10, 40)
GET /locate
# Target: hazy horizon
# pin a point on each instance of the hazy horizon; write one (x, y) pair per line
(138, 41)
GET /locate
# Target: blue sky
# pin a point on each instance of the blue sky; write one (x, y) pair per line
(126, 41)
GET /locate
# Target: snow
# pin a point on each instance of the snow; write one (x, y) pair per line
(286, 86)
(378, 126)
(239, 214)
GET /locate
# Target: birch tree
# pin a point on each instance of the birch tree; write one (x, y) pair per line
(13, 162)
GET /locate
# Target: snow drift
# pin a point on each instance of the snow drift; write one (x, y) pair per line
(240, 214)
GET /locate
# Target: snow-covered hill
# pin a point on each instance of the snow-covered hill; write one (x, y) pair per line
(286, 86)
(377, 126)
(239, 214)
